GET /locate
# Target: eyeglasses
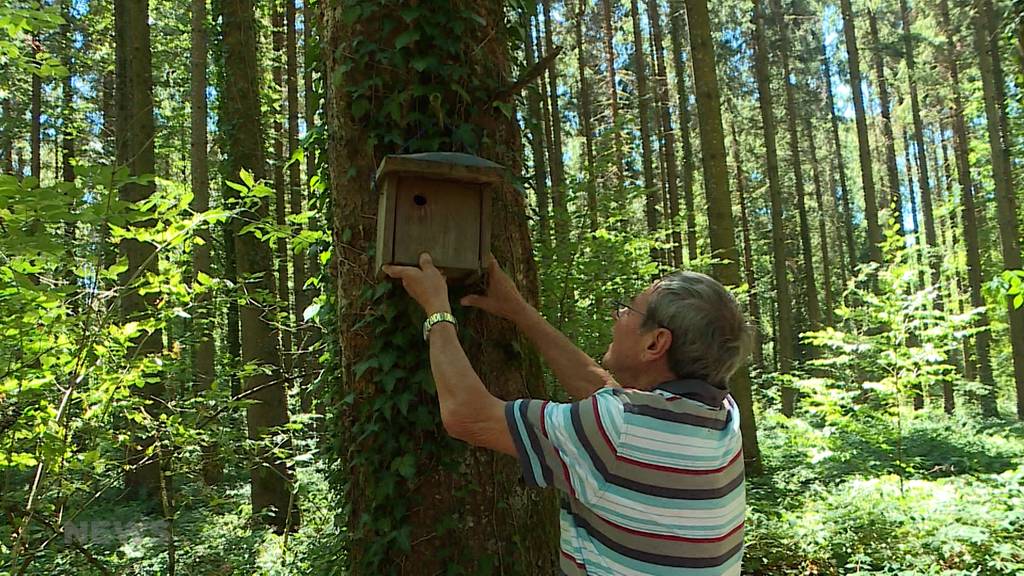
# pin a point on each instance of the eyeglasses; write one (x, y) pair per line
(621, 308)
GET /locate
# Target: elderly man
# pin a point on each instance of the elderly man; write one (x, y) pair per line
(649, 458)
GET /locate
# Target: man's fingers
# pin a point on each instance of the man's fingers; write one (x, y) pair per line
(470, 300)
(397, 271)
(426, 261)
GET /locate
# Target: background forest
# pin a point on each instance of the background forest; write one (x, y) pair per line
(202, 373)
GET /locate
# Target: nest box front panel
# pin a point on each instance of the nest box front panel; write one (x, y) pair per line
(438, 216)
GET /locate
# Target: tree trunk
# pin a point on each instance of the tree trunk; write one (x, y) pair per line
(301, 340)
(535, 124)
(613, 99)
(982, 339)
(987, 31)
(753, 309)
(242, 125)
(455, 506)
(558, 188)
(809, 281)
(7, 144)
(719, 201)
(785, 342)
(826, 261)
(36, 128)
(586, 114)
(867, 177)
(134, 143)
(203, 324)
(923, 178)
(895, 198)
(310, 103)
(281, 194)
(643, 96)
(847, 215)
(678, 33)
(668, 132)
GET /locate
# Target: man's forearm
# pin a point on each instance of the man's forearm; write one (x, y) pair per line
(578, 373)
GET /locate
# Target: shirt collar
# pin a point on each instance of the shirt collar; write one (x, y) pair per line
(700, 390)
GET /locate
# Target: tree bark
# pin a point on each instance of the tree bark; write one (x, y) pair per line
(281, 193)
(535, 125)
(923, 177)
(586, 114)
(462, 492)
(668, 132)
(203, 324)
(301, 295)
(874, 238)
(36, 127)
(613, 99)
(785, 342)
(895, 198)
(719, 201)
(134, 137)
(242, 126)
(809, 281)
(826, 260)
(982, 339)
(753, 308)
(678, 33)
(847, 213)
(643, 96)
(987, 29)
(310, 103)
(559, 205)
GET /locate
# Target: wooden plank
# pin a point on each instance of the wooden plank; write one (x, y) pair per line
(385, 223)
(416, 165)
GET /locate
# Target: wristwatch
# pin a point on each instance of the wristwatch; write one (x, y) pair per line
(434, 319)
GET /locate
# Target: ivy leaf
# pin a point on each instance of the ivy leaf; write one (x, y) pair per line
(406, 38)
(311, 311)
(246, 177)
(405, 465)
(360, 107)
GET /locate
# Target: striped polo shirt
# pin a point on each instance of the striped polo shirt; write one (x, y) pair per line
(652, 481)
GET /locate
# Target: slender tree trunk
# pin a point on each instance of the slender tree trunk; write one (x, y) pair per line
(295, 197)
(463, 496)
(826, 260)
(915, 219)
(982, 339)
(668, 132)
(535, 126)
(586, 115)
(7, 145)
(134, 143)
(204, 352)
(310, 103)
(810, 283)
(753, 309)
(952, 278)
(613, 99)
(895, 198)
(242, 125)
(36, 128)
(678, 33)
(719, 201)
(987, 29)
(643, 96)
(866, 170)
(785, 342)
(278, 161)
(847, 215)
(923, 178)
(558, 187)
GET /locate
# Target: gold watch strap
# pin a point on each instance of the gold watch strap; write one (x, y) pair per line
(434, 319)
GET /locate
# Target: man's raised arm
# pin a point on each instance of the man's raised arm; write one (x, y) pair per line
(578, 373)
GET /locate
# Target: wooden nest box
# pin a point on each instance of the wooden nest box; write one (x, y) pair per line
(438, 203)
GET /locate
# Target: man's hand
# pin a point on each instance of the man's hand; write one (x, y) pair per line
(502, 299)
(426, 284)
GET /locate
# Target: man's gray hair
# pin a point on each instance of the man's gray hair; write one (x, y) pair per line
(710, 336)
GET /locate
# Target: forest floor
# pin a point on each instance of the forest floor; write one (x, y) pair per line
(843, 494)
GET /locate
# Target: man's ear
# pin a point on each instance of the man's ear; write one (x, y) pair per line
(658, 344)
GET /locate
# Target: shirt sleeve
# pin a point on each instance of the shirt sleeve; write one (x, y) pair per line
(570, 446)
